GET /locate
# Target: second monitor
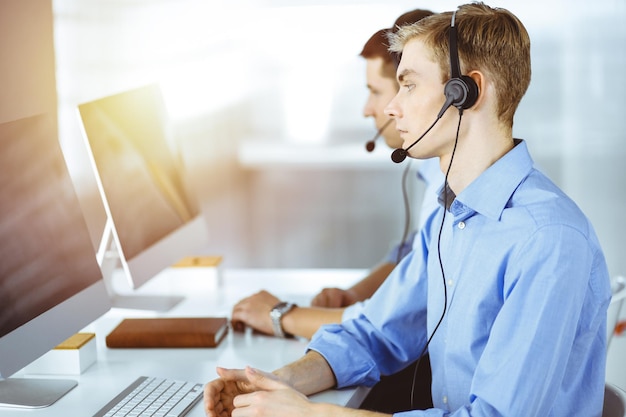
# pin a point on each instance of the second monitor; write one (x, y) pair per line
(154, 220)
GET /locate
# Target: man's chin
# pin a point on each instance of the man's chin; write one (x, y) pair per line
(394, 144)
(408, 142)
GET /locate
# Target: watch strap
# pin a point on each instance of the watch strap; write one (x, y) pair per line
(276, 314)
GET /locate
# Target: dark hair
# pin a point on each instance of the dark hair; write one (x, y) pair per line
(409, 18)
(377, 46)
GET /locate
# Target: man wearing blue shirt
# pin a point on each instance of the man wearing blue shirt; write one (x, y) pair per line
(506, 288)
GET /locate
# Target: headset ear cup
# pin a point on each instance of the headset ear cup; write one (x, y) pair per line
(455, 90)
(472, 91)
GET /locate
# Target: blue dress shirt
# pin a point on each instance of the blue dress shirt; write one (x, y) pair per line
(524, 330)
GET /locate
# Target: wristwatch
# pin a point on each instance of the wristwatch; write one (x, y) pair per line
(276, 314)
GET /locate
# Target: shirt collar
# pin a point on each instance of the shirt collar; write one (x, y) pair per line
(446, 196)
(490, 192)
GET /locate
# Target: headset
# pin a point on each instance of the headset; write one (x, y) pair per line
(462, 88)
(461, 91)
(371, 144)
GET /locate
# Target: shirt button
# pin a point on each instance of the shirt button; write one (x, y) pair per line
(461, 225)
(445, 399)
(450, 282)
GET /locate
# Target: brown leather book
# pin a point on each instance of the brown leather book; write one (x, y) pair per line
(163, 332)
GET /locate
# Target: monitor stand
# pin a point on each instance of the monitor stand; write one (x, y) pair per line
(109, 260)
(33, 392)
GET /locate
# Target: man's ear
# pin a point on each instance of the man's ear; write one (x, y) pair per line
(479, 79)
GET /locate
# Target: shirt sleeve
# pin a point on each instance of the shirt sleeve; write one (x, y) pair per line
(386, 336)
(401, 249)
(353, 311)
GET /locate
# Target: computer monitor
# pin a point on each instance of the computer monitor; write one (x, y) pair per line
(154, 220)
(50, 284)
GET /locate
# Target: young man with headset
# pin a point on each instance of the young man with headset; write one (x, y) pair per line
(507, 287)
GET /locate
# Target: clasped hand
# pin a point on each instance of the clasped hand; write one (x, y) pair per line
(251, 392)
(334, 298)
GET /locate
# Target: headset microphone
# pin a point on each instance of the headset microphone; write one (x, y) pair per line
(371, 144)
(461, 91)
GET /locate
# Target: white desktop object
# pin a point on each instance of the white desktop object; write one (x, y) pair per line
(72, 357)
(153, 221)
(51, 284)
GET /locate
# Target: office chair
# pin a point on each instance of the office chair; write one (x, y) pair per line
(614, 401)
(614, 397)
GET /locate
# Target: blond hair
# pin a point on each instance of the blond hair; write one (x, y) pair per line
(490, 40)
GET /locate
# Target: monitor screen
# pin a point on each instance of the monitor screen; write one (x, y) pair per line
(155, 219)
(50, 284)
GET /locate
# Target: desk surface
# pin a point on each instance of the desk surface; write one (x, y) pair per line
(206, 295)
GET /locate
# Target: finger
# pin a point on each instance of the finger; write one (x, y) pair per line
(238, 326)
(342, 298)
(231, 374)
(263, 380)
(333, 298)
(239, 304)
(319, 300)
(212, 405)
(236, 315)
(349, 298)
(216, 411)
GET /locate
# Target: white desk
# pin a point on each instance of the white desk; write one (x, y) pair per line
(116, 368)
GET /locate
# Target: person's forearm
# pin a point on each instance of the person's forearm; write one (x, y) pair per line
(305, 321)
(366, 287)
(324, 409)
(310, 374)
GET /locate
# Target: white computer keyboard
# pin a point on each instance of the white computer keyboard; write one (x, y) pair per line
(153, 397)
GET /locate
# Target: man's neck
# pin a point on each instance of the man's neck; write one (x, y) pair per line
(474, 154)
